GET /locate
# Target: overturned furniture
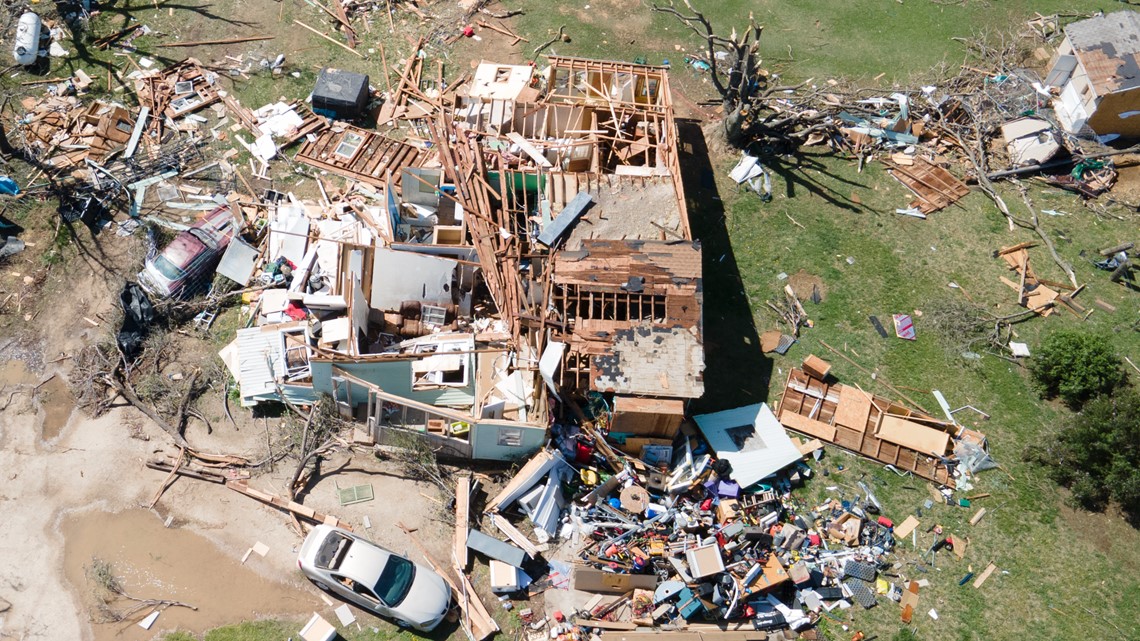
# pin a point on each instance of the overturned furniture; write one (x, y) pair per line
(871, 426)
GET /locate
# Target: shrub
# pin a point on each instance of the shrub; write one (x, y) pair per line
(1076, 366)
(1097, 455)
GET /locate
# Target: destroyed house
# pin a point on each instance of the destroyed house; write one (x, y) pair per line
(536, 252)
(590, 177)
(1096, 72)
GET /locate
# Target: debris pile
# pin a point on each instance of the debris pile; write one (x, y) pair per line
(706, 528)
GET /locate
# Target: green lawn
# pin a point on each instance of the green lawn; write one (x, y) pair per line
(857, 39)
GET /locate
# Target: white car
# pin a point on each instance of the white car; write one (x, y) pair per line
(374, 579)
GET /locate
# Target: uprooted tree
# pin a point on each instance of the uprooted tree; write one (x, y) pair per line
(733, 66)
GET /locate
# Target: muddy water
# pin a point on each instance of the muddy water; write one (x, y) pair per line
(56, 400)
(154, 562)
(15, 373)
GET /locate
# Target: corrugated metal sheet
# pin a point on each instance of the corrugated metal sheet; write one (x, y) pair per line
(260, 362)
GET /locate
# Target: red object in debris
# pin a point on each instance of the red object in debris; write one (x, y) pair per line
(706, 505)
(469, 31)
(885, 522)
(815, 539)
(558, 616)
(583, 453)
(295, 312)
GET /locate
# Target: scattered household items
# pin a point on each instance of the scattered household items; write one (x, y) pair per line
(374, 579)
(1117, 260)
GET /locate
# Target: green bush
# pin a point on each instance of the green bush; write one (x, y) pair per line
(1097, 455)
(1076, 366)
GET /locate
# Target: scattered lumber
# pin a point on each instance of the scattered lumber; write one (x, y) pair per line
(292, 507)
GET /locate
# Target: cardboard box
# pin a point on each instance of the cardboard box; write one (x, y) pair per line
(591, 580)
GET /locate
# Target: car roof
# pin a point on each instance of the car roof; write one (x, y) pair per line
(183, 249)
(364, 562)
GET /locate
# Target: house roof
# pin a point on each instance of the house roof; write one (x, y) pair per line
(1109, 48)
(652, 361)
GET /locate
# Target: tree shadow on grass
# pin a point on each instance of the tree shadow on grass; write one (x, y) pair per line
(797, 173)
(736, 372)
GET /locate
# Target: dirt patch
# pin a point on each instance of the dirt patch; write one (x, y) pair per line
(1127, 187)
(155, 562)
(55, 399)
(804, 284)
(1109, 533)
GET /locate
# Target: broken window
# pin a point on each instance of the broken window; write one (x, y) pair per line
(349, 145)
(296, 355)
(440, 369)
(433, 315)
(510, 436)
(502, 74)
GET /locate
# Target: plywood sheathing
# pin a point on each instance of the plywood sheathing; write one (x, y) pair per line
(935, 187)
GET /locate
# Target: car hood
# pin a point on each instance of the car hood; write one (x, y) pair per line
(427, 599)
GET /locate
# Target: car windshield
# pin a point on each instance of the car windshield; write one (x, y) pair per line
(167, 268)
(396, 580)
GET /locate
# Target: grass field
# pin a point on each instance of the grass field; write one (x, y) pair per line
(1064, 574)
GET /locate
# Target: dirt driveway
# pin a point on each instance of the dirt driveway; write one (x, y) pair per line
(76, 488)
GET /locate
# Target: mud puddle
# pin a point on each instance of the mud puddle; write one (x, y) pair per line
(57, 402)
(154, 562)
(15, 373)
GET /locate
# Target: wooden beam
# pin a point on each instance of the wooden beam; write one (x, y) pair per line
(339, 44)
(462, 516)
(202, 43)
(513, 533)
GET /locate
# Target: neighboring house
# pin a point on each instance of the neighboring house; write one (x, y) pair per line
(1097, 70)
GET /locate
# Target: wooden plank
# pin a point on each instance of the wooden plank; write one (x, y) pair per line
(483, 625)
(977, 516)
(903, 530)
(281, 503)
(810, 446)
(808, 426)
(462, 518)
(984, 575)
(853, 409)
(529, 149)
(915, 436)
(513, 533)
(608, 625)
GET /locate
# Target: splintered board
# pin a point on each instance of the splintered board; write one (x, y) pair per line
(935, 187)
(359, 154)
